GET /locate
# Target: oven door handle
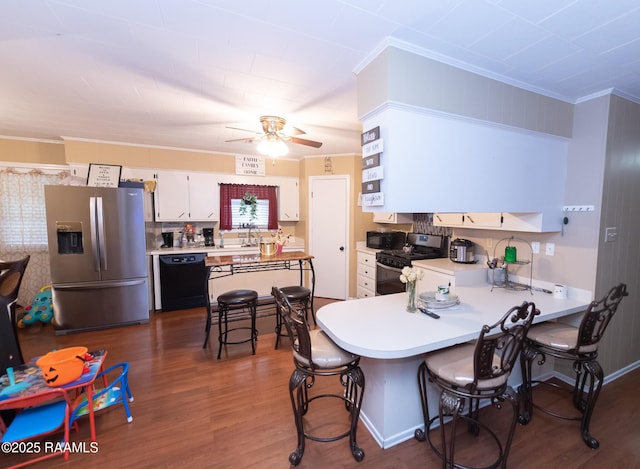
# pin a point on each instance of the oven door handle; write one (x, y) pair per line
(396, 269)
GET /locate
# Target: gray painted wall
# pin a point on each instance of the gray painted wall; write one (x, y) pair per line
(620, 261)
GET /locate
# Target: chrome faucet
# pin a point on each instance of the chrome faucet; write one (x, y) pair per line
(253, 242)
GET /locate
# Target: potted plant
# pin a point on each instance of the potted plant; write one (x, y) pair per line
(249, 200)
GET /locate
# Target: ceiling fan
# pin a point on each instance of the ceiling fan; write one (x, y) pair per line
(272, 140)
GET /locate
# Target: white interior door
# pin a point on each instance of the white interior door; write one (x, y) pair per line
(329, 234)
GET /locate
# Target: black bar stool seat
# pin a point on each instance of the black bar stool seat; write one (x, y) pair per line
(233, 300)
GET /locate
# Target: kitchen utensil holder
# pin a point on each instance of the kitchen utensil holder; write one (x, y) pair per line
(498, 281)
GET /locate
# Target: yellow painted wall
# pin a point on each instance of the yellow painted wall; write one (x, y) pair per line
(31, 152)
(83, 152)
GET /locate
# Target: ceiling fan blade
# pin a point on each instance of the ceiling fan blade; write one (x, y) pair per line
(291, 131)
(304, 141)
(245, 130)
(246, 140)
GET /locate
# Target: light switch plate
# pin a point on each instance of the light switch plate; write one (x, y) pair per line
(610, 234)
(535, 247)
(550, 249)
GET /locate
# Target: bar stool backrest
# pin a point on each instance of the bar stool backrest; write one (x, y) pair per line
(297, 327)
(597, 317)
(499, 345)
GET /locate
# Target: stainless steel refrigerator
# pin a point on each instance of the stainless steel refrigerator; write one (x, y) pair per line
(97, 256)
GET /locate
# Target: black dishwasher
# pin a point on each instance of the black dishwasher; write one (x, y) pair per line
(182, 281)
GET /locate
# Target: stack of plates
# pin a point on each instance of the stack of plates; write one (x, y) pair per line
(429, 298)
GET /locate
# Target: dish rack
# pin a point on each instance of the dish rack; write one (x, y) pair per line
(502, 281)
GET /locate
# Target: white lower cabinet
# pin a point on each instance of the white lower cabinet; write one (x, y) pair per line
(366, 275)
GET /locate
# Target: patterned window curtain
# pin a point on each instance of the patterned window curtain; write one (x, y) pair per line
(237, 191)
(23, 230)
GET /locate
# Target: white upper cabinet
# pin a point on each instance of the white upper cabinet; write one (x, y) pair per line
(478, 220)
(204, 197)
(144, 175)
(288, 199)
(448, 219)
(183, 196)
(439, 163)
(526, 222)
(392, 217)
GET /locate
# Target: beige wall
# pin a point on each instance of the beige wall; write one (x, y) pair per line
(31, 152)
(400, 76)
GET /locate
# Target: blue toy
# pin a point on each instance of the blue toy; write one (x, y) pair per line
(41, 308)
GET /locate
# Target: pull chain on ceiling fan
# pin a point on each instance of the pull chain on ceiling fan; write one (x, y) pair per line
(272, 140)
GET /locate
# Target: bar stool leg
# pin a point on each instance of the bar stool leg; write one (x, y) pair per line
(593, 376)
(222, 334)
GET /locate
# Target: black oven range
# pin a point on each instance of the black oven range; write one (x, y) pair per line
(389, 264)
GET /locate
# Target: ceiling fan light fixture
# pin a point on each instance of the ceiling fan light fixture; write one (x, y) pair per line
(272, 146)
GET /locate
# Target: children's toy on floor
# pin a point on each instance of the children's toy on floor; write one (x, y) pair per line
(41, 308)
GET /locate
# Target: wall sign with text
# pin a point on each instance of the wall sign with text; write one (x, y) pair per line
(372, 170)
(250, 165)
(104, 175)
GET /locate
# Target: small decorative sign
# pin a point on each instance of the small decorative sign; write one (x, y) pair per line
(370, 136)
(250, 165)
(373, 200)
(372, 174)
(371, 161)
(372, 148)
(370, 187)
(103, 175)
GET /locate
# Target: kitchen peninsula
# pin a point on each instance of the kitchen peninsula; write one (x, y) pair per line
(392, 343)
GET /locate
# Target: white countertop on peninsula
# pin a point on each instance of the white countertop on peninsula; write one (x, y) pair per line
(380, 326)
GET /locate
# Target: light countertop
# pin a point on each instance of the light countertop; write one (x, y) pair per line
(227, 250)
(380, 326)
(447, 266)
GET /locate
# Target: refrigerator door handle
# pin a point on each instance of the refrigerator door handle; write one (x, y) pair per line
(94, 234)
(101, 235)
(100, 284)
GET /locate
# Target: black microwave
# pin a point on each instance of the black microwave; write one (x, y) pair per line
(386, 240)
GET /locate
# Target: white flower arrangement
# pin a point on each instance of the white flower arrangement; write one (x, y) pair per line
(410, 274)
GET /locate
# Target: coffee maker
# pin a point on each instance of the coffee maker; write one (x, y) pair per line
(167, 239)
(207, 233)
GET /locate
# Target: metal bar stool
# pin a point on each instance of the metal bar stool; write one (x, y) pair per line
(299, 297)
(467, 373)
(315, 355)
(234, 300)
(579, 345)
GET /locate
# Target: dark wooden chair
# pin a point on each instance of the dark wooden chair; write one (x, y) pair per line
(466, 374)
(11, 275)
(578, 345)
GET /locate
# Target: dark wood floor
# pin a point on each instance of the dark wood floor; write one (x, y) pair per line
(192, 410)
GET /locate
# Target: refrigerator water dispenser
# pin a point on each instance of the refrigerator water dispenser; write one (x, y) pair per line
(69, 237)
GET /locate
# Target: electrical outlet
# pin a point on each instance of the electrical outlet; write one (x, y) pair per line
(535, 247)
(550, 249)
(489, 243)
(610, 234)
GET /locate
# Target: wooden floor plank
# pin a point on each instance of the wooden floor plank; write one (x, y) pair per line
(191, 410)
